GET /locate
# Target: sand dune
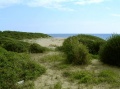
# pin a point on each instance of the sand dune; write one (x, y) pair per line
(48, 42)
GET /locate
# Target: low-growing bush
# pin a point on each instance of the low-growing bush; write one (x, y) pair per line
(58, 85)
(93, 43)
(14, 45)
(15, 67)
(76, 52)
(19, 46)
(90, 77)
(110, 52)
(36, 48)
(26, 85)
(22, 35)
(59, 48)
(108, 76)
(83, 76)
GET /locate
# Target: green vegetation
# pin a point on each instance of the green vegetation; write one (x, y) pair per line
(15, 67)
(27, 85)
(53, 58)
(58, 85)
(58, 60)
(109, 76)
(14, 45)
(22, 35)
(36, 48)
(93, 43)
(76, 52)
(77, 48)
(110, 52)
(87, 77)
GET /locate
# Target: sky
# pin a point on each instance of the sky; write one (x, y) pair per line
(60, 16)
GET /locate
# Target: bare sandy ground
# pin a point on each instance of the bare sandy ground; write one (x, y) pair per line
(54, 76)
(48, 42)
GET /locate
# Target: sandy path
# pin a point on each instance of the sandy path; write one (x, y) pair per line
(54, 76)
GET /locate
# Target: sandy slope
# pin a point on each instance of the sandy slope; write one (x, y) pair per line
(48, 42)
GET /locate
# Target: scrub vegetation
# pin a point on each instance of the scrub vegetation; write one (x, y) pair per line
(110, 52)
(19, 46)
(80, 63)
(22, 35)
(15, 67)
(15, 62)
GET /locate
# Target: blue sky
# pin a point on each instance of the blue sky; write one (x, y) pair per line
(60, 16)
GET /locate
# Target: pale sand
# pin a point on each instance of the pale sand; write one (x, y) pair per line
(48, 42)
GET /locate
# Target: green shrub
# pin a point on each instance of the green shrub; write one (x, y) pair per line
(59, 48)
(108, 76)
(14, 45)
(19, 46)
(22, 35)
(15, 67)
(93, 43)
(76, 52)
(110, 52)
(58, 85)
(90, 77)
(83, 76)
(36, 48)
(27, 85)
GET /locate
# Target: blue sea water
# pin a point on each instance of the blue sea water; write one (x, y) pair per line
(103, 36)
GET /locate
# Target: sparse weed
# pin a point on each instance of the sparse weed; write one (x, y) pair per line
(62, 66)
(58, 85)
(108, 76)
(83, 76)
(86, 77)
(53, 58)
(26, 85)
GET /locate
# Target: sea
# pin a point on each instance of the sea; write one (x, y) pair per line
(103, 36)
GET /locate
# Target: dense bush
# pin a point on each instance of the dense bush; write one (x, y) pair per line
(15, 67)
(22, 35)
(93, 43)
(36, 48)
(14, 45)
(76, 52)
(19, 46)
(110, 52)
